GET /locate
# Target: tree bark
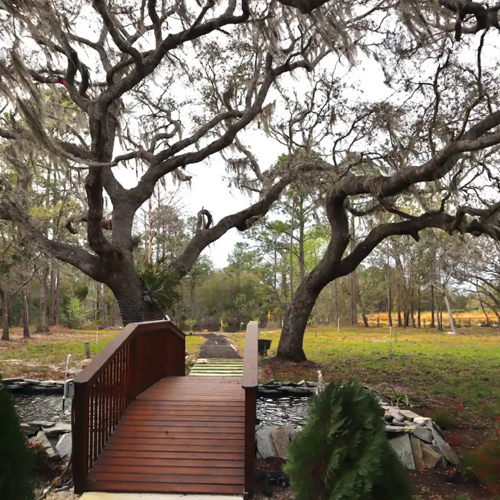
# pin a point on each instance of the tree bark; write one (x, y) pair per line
(25, 314)
(291, 260)
(43, 301)
(450, 313)
(354, 292)
(113, 314)
(419, 306)
(363, 312)
(433, 323)
(52, 307)
(302, 263)
(57, 306)
(389, 297)
(292, 335)
(482, 305)
(133, 298)
(5, 315)
(103, 307)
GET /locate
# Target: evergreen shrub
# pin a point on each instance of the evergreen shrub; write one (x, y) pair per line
(343, 452)
(16, 460)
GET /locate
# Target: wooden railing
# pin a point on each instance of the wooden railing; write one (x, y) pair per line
(139, 356)
(250, 383)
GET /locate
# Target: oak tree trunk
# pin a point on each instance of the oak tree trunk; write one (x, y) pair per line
(133, 298)
(292, 335)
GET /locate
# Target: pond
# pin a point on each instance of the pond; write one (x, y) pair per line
(32, 408)
(270, 411)
(285, 410)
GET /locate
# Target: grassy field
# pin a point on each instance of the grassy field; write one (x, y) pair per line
(432, 369)
(44, 355)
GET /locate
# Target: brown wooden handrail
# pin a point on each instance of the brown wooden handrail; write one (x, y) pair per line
(139, 356)
(250, 383)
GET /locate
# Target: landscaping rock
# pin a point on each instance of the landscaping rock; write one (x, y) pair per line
(416, 448)
(445, 449)
(402, 447)
(295, 433)
(395, 428)
(59, 428)
(30, 429)
(423, 434)
(42, 441)
(42, 423)
(408, 414)
(64, 446)
(430, 457)
(265, 444)
(281, 441)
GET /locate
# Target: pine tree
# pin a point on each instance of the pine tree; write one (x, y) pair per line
(16, 461)
(342, 452)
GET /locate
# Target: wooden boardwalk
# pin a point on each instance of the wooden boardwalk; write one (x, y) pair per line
(140, 426)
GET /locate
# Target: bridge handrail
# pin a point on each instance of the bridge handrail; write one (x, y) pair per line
(251, 364)
(250, 383)
(139, 356)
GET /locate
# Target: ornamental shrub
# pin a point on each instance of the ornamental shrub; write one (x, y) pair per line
(16, 460)
(343, 453)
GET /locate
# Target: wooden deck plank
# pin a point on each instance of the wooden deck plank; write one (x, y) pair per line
(183, 435)
(128, 487)
(173, 462)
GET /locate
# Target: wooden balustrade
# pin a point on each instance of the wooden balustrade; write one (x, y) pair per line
(138, 357)
(250, 383)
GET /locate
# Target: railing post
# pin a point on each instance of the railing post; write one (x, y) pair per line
(80, 436)
(250, 384)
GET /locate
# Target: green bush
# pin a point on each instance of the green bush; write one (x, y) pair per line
(343, 453)
(73, 315)
(16, 460)
(445, 419)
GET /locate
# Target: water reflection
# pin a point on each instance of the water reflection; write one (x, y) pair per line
(292, 410)
(31, 408)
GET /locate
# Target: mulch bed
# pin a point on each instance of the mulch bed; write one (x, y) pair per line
(217, 346)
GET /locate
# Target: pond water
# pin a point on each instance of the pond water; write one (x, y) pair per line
(31, 408)
(270, 411)
(285, 410)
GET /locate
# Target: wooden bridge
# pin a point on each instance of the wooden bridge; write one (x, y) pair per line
(141, 426)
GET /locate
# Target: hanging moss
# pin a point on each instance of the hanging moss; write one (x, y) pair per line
(342, 452)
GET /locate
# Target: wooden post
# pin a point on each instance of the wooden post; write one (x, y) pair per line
(250, 421)
(250, 384)
(80, 434)
(87, 350)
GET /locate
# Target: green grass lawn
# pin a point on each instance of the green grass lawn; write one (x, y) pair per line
(44, 357)
(431, 368)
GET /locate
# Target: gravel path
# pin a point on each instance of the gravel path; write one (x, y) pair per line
(217, 346)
